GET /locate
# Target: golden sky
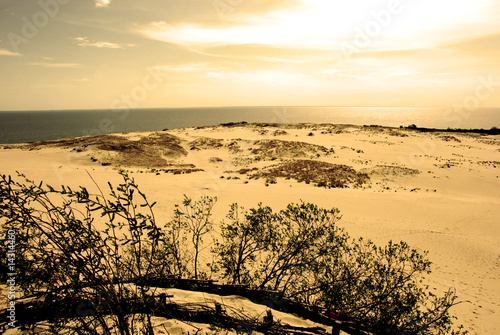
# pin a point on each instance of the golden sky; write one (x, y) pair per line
(73, 54)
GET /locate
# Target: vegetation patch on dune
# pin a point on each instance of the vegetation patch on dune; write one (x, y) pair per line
(269, 149)
(168, 145)
(279, 132)
(489, 163)
(233, 124)
(177, 169)
(285, 125)
(397, 133)
(234, 146)
(490, 141)
(71, 142)
(148, 151)
(206, 143)
(322, 173)
(391, 170)
(449, 138)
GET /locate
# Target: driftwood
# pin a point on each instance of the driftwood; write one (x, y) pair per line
(272, 299)
(30, 311)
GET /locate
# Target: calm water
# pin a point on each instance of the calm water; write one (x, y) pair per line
(20, 126)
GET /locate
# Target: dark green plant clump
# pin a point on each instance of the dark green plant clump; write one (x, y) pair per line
(229, 124)
(322, 173)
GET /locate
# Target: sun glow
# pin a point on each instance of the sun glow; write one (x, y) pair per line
(323, 24)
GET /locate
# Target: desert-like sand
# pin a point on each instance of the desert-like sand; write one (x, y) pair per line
(437, 191)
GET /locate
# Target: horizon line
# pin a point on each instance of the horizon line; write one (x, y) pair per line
(232, 106)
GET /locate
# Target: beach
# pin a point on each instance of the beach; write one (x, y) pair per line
(437, 191)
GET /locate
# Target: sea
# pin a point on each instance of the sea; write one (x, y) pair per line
(28, 126)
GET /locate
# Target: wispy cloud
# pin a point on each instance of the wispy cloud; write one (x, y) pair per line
(402, 73)
(5, 52)
(102, 3)
(332, 71)
(271, 77)
(244, 34)
(85, 42)
(55, 65)
(190, 67)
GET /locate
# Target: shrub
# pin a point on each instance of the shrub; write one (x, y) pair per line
(300, 252)
(194, 220)
(244, 237)
(381, 286)
(64, 258)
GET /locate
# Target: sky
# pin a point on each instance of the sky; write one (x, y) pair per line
(111, 54)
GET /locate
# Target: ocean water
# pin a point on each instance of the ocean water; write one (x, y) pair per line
(27, 126)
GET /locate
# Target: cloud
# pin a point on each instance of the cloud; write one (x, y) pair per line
(85, 42)
(190, 67)
(197, 35)
(102, 3)
(268, 77)
(332, 71)
(55, 65)
(489, 44)
(326, 25)
(5, 52)
(253, 52)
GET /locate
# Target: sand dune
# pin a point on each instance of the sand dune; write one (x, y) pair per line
(437, 191)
